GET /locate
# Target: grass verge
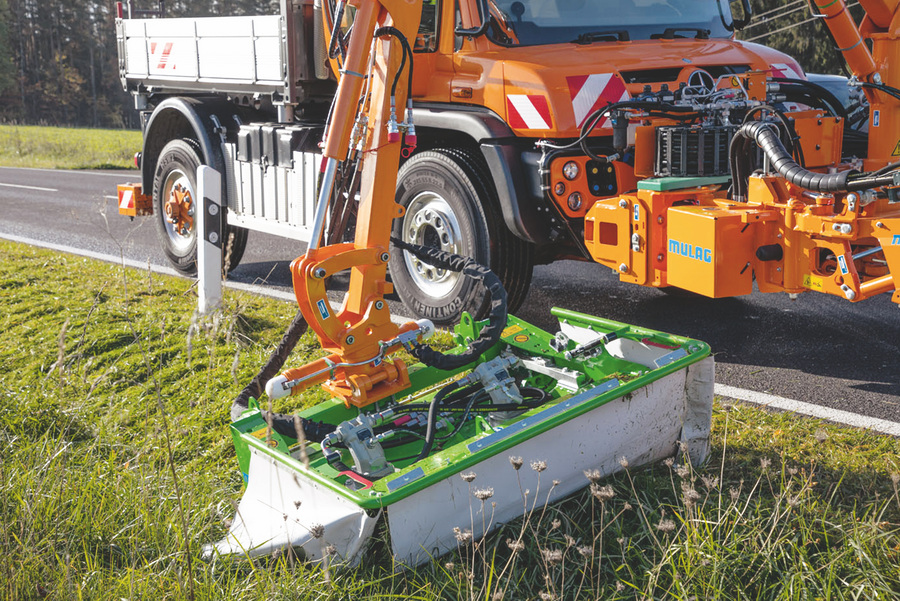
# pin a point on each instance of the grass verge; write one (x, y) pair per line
(93, 354)
(67, 147)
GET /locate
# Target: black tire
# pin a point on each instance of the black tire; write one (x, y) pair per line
(176, 170)
(451, 204)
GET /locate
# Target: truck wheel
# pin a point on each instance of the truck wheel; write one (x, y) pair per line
(450, 204)
(174, 198)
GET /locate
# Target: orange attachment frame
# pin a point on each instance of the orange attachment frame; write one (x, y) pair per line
(355, 333)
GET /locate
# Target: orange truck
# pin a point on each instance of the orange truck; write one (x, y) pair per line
(539, 130)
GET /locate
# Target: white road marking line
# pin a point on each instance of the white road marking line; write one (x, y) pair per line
(833, 415)
(125, 172)
(758, 398)
(30, 187)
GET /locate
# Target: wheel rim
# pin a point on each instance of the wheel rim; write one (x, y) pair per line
(429, 221)
(178, 209)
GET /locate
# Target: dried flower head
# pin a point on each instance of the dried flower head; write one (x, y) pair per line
(794, 501)
(593, 475)
(627, 506)
(620, 587)
(449, 566)
(570, 541)
(668, 462)
(666, 526)
(557, 482)
(468, 476)
(552, 556)
(555, 524)
(623, 462)
(734, 493)
(547, 596)
(539, 466)
(691, 496)
(516, 462)
(764, 463)
(462, 536)
(498, 596)
(330, 550)
(821, 435)
(515, 545)
(895, 480)
(792, 471)
(602, 493)
(585, 551)
(710, 482)
(682, 471)
(682, 446)
(317, 530)
(483, 494)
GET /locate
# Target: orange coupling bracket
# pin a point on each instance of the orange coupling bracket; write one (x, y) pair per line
(362, 374)
(132, 201)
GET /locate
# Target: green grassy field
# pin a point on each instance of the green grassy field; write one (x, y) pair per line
(67, 147)
(105, 369)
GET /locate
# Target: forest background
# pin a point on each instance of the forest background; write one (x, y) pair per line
(58, 62)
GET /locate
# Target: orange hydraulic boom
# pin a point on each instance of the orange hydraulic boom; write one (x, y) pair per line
(364, 120)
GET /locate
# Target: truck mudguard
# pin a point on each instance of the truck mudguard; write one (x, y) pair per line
(181, 117)
(518, 187)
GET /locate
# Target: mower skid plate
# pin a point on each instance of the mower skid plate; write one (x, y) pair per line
(631, 400)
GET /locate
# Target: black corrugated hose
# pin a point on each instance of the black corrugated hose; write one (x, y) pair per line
(281, 423)
(490, 334)
(765, 135)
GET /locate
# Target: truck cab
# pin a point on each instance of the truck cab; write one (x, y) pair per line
(502, 91)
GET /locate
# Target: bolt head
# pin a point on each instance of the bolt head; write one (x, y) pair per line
(213, 237)
(319, 273)
(385, 257)
(213, 209)
(623, 268)
(623, 203)
(350, 340)
(379, 305)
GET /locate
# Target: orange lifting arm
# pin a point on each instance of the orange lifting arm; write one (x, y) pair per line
(881, 25)
(355, 334)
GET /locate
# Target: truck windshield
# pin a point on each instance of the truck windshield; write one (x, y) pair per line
(536, 22)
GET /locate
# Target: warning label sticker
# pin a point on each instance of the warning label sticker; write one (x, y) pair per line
(511, 330)
(896, 152)
(813, 283)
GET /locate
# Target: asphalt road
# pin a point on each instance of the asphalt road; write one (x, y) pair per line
(818, 349)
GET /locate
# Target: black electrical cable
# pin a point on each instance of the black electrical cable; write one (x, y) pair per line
(542, 397)
(654, 108)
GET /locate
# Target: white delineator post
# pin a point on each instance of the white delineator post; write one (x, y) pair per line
(210, 226)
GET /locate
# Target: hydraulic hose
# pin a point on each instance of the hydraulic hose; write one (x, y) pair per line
(281, 423)
(432, 418)
(768, 139)
(490, 334)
